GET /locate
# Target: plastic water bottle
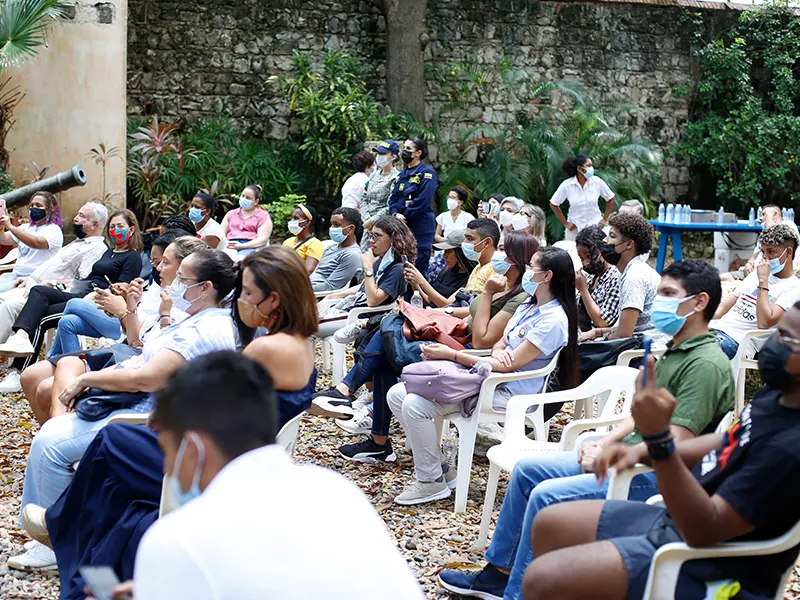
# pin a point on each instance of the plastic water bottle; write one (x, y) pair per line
(671, 213)
(688, 210)
(662, 212)
(784, 214)
(416, 300)
(721, 215)
(751, 217)
(679, 213)
(451, 447)
(791, 215)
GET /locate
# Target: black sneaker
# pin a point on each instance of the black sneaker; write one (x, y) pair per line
(368, 451)
(488, 584)
(331, 403)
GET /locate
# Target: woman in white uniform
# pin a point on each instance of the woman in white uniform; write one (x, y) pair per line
(582, 190)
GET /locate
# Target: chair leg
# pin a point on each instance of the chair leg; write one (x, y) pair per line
(488, 504)
(466, 449)
(339, 359)
(326, 354)
(539, 429)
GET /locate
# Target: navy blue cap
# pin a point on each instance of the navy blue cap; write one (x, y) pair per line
(387, 146)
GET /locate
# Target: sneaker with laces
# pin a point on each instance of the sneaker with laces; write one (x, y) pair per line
(360, 424)
(418, 492)
(11, 384)
(34, 522)
(16, 345)
(38, 558)
(364, 399)
(348, 333)
(368, 451)
(488, 584)
(331, 403)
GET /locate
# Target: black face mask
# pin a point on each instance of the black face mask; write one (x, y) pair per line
(610, 254)
(595, 268)
(406, 156)
(772, 364)
(77, 229)
(156, 276)
(36, 214)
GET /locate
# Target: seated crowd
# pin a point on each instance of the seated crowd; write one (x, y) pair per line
(203, 362)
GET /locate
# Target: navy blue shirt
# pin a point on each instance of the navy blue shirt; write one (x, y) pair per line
(412, 197)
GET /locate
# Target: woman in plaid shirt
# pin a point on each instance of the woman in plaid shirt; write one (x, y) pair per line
(598, 305)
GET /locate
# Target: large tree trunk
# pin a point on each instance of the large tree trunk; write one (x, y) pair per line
(406, 38)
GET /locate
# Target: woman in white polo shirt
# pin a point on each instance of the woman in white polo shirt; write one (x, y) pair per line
(582, 190)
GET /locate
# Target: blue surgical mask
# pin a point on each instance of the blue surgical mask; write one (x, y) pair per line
(528, 284)
(588, 172)
(470, 252)
(245, 203)
(775, 265)
(499, 263)
(195, 214)
(176, 293)
(174, 483)
(664, 314)
(337, 234)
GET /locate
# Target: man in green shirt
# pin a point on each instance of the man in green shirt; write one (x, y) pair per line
(694, 369)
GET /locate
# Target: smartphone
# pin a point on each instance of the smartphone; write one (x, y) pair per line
(3, 211)
(646, 343)
(101, 581)
(405, 259)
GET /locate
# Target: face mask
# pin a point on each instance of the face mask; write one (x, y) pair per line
(520, 222)
(506, 218)
(775, 265)
(499, 263)
(452, 204)
(772, 364)
(664, 314)
(77, 229)
(174, 483)
(119, 236)
(37, 214)
(382, 160)
(250, 315)
(195, 214)
(337, 234)
(595, 268)
(497, 210)
(528, 284)
(156, 276)
(294, 227)
(245, 203)
(470, 252)
(610, 254)
(588, 172)
(406, 156)
(176, 292)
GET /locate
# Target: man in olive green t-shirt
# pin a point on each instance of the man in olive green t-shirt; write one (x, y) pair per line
(694, 369)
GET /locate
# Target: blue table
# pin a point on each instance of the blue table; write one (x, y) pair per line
(675, 231)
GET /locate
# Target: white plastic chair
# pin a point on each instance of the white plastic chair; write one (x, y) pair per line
(751, 343)
(607, 384)
(484, 413)
(7, 262)
(624, 359)
(340, 350)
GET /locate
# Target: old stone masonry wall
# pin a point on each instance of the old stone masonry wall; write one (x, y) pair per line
(195, 58)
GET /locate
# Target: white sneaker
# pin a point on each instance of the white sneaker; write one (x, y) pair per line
(361, 423)
(38, 558)
(348, 333)
(418, 493)
(33, 519)
(16, 346)
(364, 399)
(11, 383)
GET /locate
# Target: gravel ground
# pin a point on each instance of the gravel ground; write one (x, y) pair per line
(431, 536)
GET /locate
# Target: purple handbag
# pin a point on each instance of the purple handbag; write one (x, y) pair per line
(444, 381)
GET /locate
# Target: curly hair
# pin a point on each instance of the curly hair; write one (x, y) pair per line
(591, 238)
(362, 160)
(403, 241)
(634, 227)
(781, 234)
(51, 207)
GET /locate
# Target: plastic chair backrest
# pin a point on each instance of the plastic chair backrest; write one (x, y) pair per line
(287, 436)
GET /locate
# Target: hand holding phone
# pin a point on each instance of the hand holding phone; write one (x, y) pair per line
(3, 209)
(101, 582)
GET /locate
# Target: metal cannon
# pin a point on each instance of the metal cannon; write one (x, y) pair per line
(57, 183)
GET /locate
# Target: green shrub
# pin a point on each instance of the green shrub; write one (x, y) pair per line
(281, 212)
(6, 182)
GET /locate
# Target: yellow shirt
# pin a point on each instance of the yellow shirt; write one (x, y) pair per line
(311, 247)
(478, 278)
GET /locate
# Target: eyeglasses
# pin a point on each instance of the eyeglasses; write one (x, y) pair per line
(182, 279)
(378, 236)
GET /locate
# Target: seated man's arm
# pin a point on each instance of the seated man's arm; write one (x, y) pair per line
(626, 324)
(726, 304)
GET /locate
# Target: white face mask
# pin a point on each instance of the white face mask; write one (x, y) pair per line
(452, 203)
(294, 227)
(506, 218)
(382, 160)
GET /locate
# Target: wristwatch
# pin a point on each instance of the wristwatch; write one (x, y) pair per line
(661, 450)
(449, 310)
(369, 273)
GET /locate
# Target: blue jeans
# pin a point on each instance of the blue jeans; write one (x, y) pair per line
(367, 364)
(729, 345)
(536, 483)
(82, 317)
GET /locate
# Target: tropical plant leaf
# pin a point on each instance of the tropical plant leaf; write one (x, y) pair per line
(23, 27)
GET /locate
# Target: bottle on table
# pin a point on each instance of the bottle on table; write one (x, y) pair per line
(751, 217)
(791, 215)
(720, 215)
(671, 213)
(662, 212)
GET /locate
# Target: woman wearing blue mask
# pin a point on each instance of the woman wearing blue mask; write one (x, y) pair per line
(537, 331)
(200, 212)
(582, 190)
(248, 227)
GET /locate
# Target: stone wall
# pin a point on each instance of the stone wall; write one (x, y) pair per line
(195, 58)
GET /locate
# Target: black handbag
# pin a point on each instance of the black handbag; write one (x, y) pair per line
(96, 404)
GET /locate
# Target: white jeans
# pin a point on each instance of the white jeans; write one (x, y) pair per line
(11, 304)
(60, 442)
(416, 415)
(328, 328)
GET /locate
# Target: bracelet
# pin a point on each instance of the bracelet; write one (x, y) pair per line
(661, 450)
(761, 287)
(163, 316)
(130, 312)
(656, 437)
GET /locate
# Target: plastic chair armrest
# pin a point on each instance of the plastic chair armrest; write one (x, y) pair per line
(620, 483)
(572, 430)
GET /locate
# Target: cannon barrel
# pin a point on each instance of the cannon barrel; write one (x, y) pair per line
(57, 183)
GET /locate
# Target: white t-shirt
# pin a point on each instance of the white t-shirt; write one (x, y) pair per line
(30, 258)
(742, 317)
(353, 190)
(583, 207)
(212, 228)
(445, 219)
(279, 552)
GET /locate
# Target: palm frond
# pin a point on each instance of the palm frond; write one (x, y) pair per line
(23, 27)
